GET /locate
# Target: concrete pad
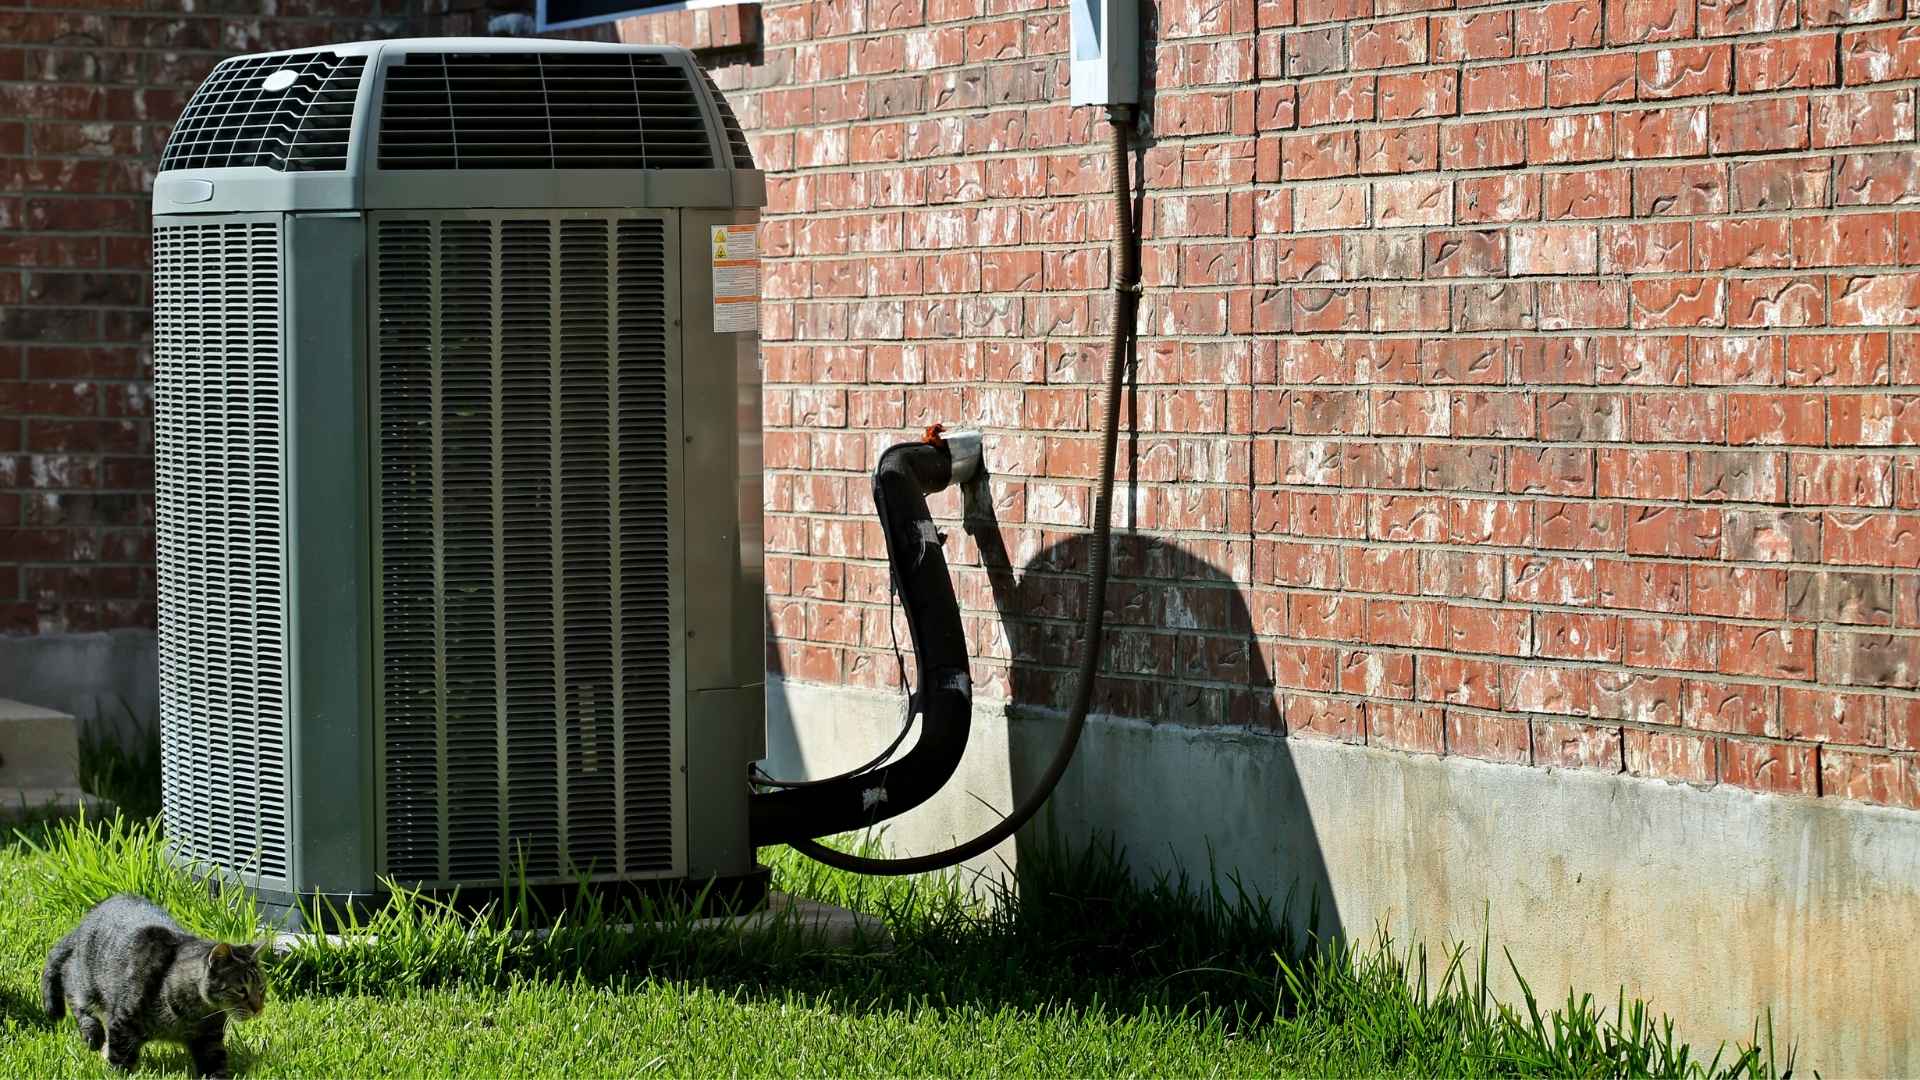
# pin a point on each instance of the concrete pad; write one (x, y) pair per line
(36, 804)
(109, 681)
(39, 762)
(39, 748)
(822, 925)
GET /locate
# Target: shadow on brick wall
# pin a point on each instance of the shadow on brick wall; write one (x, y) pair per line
(1185, 765)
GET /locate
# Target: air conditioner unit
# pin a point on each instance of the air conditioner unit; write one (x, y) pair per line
(457, 440)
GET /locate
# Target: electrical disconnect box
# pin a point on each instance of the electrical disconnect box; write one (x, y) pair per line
(1106, 52)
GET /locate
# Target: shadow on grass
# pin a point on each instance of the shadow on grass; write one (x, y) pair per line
(1080, 931)
(1083, 938)
(22, 1008)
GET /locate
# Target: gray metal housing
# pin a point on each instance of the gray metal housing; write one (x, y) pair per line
(325, 490)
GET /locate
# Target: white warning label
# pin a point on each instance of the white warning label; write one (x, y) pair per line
(736, 279)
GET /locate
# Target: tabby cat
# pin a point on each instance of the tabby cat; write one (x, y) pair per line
(130, 975)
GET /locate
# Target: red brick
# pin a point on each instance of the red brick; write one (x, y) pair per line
(1689, 189)
(1572, 138)
(1642, 360)
(1486, 144)
(1685, 71)
(1776, 419)
(1483, 35)
(1871, 179)
(1679, 302)
(1557, 27)
(1731, 708)
(1568, 635)
(1639, 585)
(1768, 652)
(1667, 340)
(1771, 767)
(1776, 302)
(1782, 184)
(1862, 118)
(1308, 157)
(1502, 522)
(1400, 149)
(1903, 723)
(1847, 12)
(1654, 133)
(1874, 300)
(1580, 526)
(1325, 718)
(1504, 87)
(1739, 476)
(1587, 193)
(1414, 95)
(1377, 674)
(1737, 361)
(1742, 243)
(1883, 54)
(1490, 738)
(1667, 755)
(1875, 778)
(1722, 18)
(1412, 201)
(1634, 21)
(1415, 728)
(1845, 240)
(1638, 697)
(1785, 63)
(1591, 80)
(1673, 532)
(1386, 44)
(1483, 630)
(1671, 644)
(1488, 199)
(1336, 101)
(1825, 716)
(1761, 125)
(1557, 744)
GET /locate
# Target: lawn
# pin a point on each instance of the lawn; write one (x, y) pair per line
(1085, 974)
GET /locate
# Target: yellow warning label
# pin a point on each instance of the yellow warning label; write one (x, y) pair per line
(736, 279)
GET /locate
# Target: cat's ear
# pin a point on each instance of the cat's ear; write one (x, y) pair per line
(222, 950)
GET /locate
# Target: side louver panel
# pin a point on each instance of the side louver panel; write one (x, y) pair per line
(217, 451)
(527, 698)
(552, 110)
(291, 112)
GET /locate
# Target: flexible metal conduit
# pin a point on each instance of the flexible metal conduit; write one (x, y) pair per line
(907, 473)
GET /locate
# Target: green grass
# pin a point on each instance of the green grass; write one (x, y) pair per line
(1084, 974)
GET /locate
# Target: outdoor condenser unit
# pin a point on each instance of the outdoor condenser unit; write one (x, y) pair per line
(457, 441)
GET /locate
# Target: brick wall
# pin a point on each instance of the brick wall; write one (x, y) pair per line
(88, 92)
(1531, 382)
(1535, 383)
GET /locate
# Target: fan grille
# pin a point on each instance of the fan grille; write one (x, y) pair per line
(234, 120)
(543, 110)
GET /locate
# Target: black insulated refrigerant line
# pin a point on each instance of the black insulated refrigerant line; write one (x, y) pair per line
(906, 475)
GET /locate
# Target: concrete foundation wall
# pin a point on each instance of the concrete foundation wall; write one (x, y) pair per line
(1715, 905)
(110, 681)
